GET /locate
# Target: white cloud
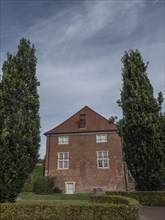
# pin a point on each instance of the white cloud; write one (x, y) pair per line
(155, 2)
(120, 17)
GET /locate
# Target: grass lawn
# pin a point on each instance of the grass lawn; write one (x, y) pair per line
(55, 198)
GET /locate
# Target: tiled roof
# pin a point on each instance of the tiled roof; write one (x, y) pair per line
(93, 122)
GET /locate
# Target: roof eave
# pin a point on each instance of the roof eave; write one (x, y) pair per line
(78, 132)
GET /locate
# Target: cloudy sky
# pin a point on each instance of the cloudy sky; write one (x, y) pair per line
(79, 45)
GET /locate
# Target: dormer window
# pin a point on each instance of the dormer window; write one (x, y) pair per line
(82, 121)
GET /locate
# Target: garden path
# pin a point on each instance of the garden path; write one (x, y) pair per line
(153, 213)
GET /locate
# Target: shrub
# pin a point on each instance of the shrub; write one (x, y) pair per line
(29, 184)
(149, 198)
(57, 190)
(44, 185)
(89, 211)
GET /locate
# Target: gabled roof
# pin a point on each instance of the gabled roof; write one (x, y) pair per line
(94, 122)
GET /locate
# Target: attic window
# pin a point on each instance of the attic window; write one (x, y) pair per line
(82, 121)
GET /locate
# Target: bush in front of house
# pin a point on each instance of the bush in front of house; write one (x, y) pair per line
(29, 184)
(89, 211)
(149, 198)
(57, 190)
(44, 185)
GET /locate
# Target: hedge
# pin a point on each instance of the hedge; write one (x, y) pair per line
(115, 199)
(16, 211)
(148, 198)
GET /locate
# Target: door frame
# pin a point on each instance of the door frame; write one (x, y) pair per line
(66, 187)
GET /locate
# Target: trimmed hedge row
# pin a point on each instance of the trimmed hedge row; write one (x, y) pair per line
(149, 198)
(115, 199)
(16, 211)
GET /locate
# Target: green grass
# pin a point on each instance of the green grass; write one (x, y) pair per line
(30, 198)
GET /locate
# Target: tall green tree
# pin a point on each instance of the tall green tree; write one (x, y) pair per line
(162, 139)
(20, 135)
(142, 124)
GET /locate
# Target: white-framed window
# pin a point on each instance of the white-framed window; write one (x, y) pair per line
(101, 138)
(102, 159)
(63, 160)
(63, 140)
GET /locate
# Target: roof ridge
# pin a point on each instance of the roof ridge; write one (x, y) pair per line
(85, 107)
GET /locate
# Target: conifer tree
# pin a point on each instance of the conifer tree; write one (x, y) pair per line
(20, 135)
(141, 126)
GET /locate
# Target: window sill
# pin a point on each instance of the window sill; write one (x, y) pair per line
(62, 168)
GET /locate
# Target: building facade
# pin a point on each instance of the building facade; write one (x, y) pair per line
(84, 153)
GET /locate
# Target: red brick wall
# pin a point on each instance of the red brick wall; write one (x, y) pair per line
(83, 163)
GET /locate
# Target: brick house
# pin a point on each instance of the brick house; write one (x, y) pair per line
(85, 153)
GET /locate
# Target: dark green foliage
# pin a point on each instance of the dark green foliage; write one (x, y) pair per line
(147, 198)
(141, 127)
(20, 123)
(162, 140)
(68, 212)
(112, 119)
(44, 185)
(29, 184)
(57, 190)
